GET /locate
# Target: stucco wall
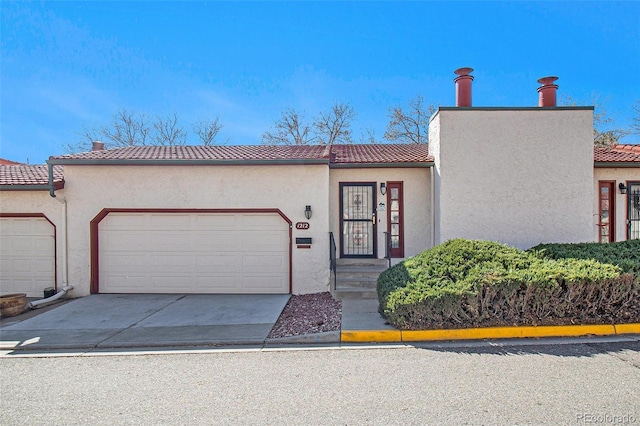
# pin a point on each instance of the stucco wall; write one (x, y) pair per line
(288, 188)
(618, 175)
(417, 204)
(517, 176)
(40, 202)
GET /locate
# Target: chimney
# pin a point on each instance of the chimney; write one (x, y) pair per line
(463, 87)
(547, 92)
(97, 146)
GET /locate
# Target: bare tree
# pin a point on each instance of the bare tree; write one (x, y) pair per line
(289, 130)
(604, 132)
(328, 128)
(126, 129)
(368, 136)
(88, 135)
(411, 126)
(207, 131)
(635, 124)
(334, 126)
(167, 131)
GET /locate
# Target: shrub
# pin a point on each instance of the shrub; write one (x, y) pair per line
(625, 254)
(464, 283)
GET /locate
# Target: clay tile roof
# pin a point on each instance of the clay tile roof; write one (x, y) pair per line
(381, 153)
(356, 154)
(618, 154)
(239, 152)
(16, 175)
(8, 162)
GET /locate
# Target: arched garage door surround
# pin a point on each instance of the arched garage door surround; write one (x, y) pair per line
(96, 221)
(53, 281)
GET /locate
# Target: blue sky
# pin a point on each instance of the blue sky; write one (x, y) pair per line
(68, 64)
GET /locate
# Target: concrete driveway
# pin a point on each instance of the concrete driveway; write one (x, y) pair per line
(147, 320)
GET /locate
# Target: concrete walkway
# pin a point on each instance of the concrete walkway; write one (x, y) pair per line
(362, 314)
(132, 320)
(107, 322)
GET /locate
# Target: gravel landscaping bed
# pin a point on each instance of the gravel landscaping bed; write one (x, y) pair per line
(308, 314)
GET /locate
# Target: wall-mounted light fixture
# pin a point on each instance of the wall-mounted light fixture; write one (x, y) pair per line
(307, 212)
(623, 188)
(383, 188)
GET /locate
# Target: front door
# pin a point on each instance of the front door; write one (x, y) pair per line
(606, 212)
(395, 218)
(358, 219)
(633, 231)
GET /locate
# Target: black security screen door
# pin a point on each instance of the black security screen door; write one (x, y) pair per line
(358, 220)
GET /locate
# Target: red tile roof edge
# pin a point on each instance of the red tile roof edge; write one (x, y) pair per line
(619, 153)
(340, 153)
(29, 175)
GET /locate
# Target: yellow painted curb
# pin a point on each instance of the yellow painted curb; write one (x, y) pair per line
(507, 332)
(628, 328)
(370, 336)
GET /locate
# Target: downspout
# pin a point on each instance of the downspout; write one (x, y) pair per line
(52, 188)
(65, 263)
(49, 300)
(63, 249)
(432, 183)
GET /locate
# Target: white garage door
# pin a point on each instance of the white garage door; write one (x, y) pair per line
(193, 253)
(27, 255)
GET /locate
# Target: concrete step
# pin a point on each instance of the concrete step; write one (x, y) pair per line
(361, 268)
(356, 279)
(365, 275)
(354, 293)
(359, 282)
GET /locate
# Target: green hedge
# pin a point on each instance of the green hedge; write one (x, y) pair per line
(625, 254)
(464, 283)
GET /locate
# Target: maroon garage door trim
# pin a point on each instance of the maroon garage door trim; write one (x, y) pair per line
(95, 222)
(55, 240)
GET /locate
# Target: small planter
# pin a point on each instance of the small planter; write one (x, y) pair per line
(12, 304)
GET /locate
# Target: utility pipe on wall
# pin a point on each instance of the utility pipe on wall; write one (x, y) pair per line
(49, 300)
(432, 184)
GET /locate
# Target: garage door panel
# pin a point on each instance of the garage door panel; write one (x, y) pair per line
(37, 265)
(178, 261)
(158, 240)
(125, 283)
(213, 262)
(25, 226)
(223, 241)
(24, 244)
(263, 240)
(263, 262)
(264, 284)
(119, 262)
(118, 241)
(124, 222)
(27, 255)
(42, 244)
(194, 253)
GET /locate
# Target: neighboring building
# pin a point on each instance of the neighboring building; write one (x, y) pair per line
(32, 239)
(263, 219)
(617, 185)
(4, 162)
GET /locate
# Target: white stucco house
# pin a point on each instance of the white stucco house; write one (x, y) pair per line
(271, 219)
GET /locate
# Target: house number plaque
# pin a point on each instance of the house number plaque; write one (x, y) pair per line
(302, 225)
